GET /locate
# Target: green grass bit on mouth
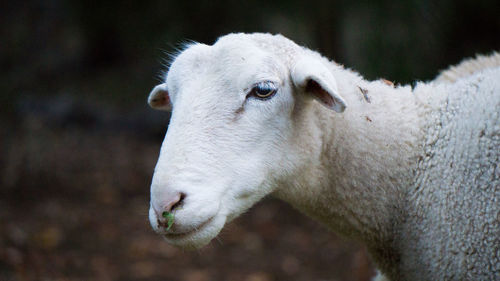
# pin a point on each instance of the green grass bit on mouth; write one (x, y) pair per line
(170, 219)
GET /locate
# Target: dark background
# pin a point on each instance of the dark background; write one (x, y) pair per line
(78, 144)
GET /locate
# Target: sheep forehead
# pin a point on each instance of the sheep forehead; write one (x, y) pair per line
(230, 49)
(235, 60)
(281, 47)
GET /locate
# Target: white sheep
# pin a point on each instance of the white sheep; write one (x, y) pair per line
(411, 173)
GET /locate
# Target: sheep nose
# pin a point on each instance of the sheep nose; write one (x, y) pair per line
(166, 205)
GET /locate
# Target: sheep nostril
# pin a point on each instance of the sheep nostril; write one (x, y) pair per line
(178, 203)
(165, 208)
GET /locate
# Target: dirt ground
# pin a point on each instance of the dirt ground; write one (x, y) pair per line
(73, 206)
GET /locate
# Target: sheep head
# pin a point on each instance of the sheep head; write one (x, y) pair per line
(234, 133)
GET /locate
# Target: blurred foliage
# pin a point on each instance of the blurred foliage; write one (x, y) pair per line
(113, 50)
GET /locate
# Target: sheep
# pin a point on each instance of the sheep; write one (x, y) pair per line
(409, 172)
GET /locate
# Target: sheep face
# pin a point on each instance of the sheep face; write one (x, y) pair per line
(232, 134)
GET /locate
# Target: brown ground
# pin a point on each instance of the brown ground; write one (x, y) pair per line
(73, 206)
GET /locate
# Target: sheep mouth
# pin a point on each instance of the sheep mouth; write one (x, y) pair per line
(181, 235)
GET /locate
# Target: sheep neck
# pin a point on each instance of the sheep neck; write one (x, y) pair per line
(358, 164)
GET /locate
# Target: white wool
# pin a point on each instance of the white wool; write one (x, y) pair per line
(411, 173)
(468, 67)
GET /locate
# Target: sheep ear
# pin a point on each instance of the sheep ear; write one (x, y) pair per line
(314, 78)
(159, 99)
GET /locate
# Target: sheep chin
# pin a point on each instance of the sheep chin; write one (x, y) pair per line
(199, 237)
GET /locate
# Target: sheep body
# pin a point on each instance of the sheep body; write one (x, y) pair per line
(448, 227)
(452, 225)
(411, 173)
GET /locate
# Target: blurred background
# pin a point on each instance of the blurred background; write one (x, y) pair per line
(78, 144)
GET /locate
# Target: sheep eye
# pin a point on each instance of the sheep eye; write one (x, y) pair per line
(263, 90)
